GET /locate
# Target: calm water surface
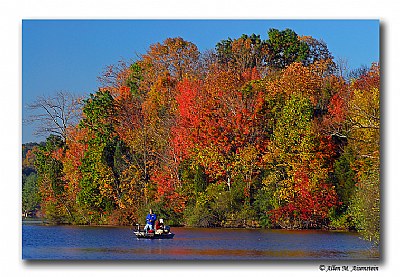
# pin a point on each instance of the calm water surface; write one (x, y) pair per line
(119, 243)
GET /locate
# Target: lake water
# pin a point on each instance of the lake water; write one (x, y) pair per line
(41, 242)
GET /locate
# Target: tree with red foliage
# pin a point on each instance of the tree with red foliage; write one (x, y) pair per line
(309, 205)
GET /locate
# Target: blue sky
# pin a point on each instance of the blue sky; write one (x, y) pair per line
(69, 55)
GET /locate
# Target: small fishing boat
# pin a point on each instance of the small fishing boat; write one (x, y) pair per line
(163, 232)
(153, 235)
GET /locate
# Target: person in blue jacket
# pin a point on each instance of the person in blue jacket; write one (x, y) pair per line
(150, 220)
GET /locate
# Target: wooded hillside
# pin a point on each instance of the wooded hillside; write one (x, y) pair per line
(255, 133)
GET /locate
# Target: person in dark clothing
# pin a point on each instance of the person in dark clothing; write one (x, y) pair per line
(150, 220)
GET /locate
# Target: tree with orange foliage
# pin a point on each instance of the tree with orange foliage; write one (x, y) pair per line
(363, 128)
(50, 181)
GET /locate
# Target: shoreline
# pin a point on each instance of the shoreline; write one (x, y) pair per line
(41, 221)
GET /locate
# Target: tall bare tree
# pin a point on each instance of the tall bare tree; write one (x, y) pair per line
(54, 114)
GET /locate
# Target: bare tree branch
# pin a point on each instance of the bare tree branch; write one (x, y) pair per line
(54, 114)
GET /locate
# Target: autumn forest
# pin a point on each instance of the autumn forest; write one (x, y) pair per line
(255, 133)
